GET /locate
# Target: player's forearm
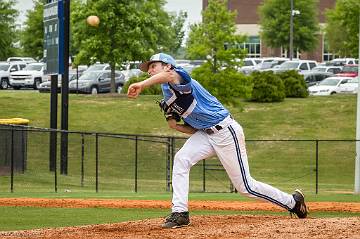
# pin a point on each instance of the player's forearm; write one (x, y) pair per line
(184, 128)
(160, 78)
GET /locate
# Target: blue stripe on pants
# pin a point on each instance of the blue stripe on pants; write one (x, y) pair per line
(242, 169)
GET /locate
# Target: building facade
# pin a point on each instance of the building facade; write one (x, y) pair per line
(247, 21)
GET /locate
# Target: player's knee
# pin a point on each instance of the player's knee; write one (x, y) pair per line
(181, 163)
(241, 188)
(240, 185)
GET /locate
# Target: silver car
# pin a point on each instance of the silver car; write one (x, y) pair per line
(97, 82)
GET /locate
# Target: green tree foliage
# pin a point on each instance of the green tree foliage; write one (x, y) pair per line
(128, 30)
(7, 28)
(275, 24)
(32, 37)
(295, 85)
(227, 85)
(177, 24)
(268, 87)
(215, 39)
(342, 28)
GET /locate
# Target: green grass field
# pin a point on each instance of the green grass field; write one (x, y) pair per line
(286, 165)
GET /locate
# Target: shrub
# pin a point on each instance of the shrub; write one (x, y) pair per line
(295, 85)
(227, 85)
(152, 90)
(268, 87)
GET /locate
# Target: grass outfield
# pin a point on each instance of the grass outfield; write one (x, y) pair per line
(328, 117)
(283, 164)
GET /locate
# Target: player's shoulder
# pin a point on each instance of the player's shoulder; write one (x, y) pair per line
(185, 77)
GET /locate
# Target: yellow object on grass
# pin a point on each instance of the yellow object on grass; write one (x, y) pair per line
(16, 121)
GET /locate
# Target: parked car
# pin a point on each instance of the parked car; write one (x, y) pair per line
(26, 60)
(299, 65)
(97, 82)
(343, 61)
(349, 70)
(5, 69)
(324, 68)
(313, 77)
(131, 73)
(46, 86)
(249, 65)
(275, 64)
(328, 86)
(351, 87)
(31, 76)
(264, 66)
(98, 67)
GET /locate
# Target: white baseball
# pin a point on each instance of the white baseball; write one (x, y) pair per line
(93, 21)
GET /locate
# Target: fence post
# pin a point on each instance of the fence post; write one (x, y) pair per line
(82, 159)
(136, 163)
(204, 168)
(168, 159)
(97, 162)
(317, 167)
(55, 162)
(172, 157)
(12, 161)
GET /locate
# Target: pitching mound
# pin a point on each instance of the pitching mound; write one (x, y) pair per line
(238, 226)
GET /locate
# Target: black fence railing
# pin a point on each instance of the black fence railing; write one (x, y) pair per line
(128, 162)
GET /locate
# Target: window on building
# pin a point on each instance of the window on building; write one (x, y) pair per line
(253, 47)
(284, 53)
(327, 55)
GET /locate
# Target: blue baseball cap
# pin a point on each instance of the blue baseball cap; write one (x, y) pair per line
(160, 57)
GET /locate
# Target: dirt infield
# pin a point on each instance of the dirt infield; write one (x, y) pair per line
(238, 226)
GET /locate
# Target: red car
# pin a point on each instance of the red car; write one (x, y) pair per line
(349, 71)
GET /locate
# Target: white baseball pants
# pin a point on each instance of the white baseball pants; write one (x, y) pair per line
(229, 146)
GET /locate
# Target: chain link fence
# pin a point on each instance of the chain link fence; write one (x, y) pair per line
(103, 162)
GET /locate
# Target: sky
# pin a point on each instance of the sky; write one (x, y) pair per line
(192, 7)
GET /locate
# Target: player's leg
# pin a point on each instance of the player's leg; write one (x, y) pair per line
(229, 145)
(196, 148)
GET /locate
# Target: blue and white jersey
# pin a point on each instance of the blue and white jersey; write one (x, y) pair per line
(193, 102)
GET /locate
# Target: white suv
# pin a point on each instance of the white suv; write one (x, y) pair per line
(249, 65)
(5, 69)
(298, 65)
(26, 60)
(343, 61)
(31, 76)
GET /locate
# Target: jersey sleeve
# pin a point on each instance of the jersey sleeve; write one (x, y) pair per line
(184, 75)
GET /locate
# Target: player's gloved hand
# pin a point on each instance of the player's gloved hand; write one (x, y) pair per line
(168, 112)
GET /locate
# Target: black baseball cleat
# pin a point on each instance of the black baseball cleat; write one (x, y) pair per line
(300, 208)
(176, 220)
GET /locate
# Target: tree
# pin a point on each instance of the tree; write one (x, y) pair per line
(342, 28)
(7, 28)
(275, 24)
(128, 30)
(32, 38)
(216, 41)
(178, 26)
(215, 38)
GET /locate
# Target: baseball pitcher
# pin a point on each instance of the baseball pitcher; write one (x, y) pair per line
(213, 132)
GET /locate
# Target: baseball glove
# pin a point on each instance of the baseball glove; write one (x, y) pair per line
(168, 112)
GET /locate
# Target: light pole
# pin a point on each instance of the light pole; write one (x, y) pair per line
(292, 14)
